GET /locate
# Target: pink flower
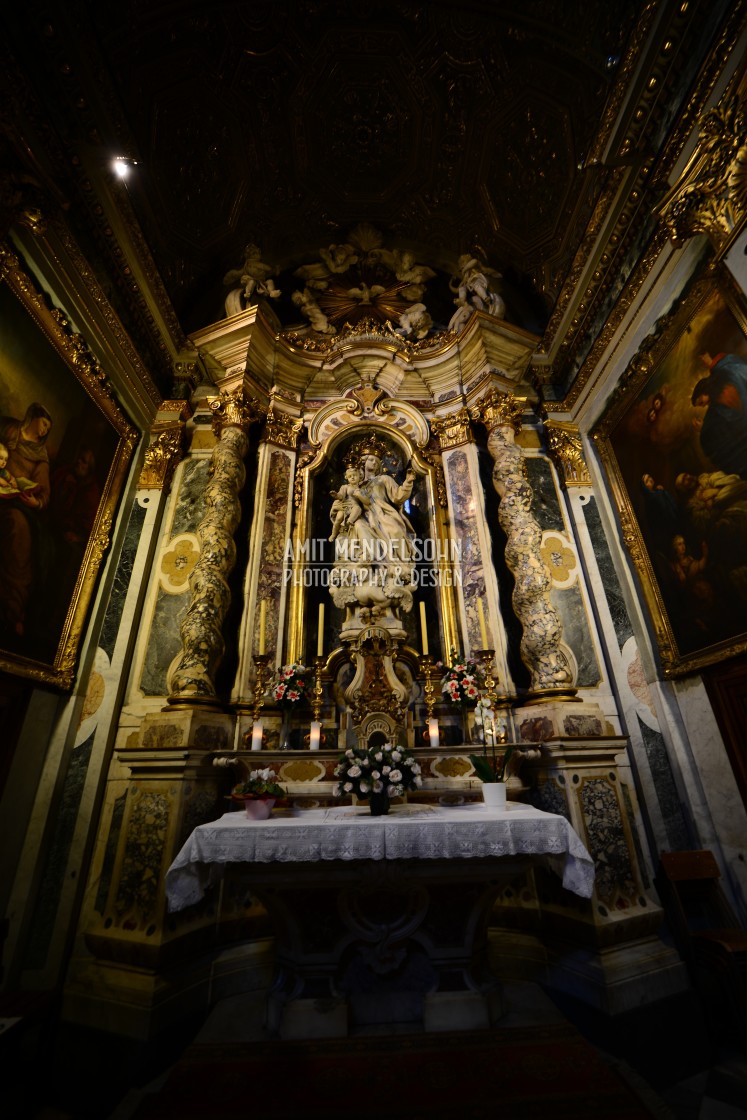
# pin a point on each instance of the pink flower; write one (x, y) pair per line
(293, 694)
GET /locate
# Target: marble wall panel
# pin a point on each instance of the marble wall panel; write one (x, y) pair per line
(610, 585)
(123, 576)
(666, 789)
(164, 642)
(464, 530)
(53, 878)
(110, 852)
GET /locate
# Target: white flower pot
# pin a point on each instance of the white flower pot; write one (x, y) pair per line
(494, 794)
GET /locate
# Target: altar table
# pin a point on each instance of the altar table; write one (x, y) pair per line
(380, 919)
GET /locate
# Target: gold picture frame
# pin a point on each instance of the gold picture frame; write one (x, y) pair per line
(65, 446)
(673, 441)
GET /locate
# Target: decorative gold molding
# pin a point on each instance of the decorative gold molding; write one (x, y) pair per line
(711, 194)
(282, 429)
(564, 444)
(433, 458)
(497, 409)
(453, 430)
(162, 458)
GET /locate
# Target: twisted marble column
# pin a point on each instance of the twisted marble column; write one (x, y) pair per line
(191, 676)
(540, 646)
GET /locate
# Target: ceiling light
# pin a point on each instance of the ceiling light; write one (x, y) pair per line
(122, 166)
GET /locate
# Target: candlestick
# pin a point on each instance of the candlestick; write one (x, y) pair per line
(483, 628)
(257, 735)
(262, 626)
(433, 735)
(260, 665)
(320, 632)
(423, 629)
(315, 736)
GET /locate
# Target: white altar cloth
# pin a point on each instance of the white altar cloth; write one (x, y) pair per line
(423, 832)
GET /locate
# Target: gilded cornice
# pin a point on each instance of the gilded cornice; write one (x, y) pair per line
(566, 449)
(453, 430)
(497, 409)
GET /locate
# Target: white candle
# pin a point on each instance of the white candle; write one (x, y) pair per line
(315, 735)
(433, 733)
(423, 629)
(257, 735)
(483, 630)
(262, 626)
(320, 632)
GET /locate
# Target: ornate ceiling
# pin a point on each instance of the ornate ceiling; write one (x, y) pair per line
(536, 134)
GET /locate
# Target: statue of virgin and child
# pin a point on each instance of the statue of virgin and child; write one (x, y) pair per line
(374, 566)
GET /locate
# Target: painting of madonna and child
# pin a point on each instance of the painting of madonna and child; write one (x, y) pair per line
(680, 448)
(59, 451)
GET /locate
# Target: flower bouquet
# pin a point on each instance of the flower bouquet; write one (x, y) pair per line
(289, 685)
(377, 774)
(460, 683)
(259, 792)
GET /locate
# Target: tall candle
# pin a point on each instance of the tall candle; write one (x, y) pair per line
(315, 735)
(257, 735)
(423, 629)
(483, 629)
(433, 733)
(262, 626)
(320, 633)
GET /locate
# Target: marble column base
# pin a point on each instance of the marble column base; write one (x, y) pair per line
(559, 719)
(180, 728)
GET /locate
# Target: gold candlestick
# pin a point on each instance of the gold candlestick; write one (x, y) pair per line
(486, 657)
(317, 698)
(260, 661)
(429, 672)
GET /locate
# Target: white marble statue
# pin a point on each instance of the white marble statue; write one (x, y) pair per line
(374, 567)
(414, 322)
(254, 278)
(472, 285)
(306, 303)
(414, 275)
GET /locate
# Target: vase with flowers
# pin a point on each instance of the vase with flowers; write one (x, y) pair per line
(258, 792)
(289, 689)
(460, 685)
(376, 775)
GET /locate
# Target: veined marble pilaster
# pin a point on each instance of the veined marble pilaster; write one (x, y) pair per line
(273, 514)
(190, 679)
(542, 632)
(467, 514)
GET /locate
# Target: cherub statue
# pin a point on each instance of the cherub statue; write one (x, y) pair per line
(414, 322)
(415, 275)
(461, 316)
(339, 258)
(473, 286)
(306, 303)
(254, 276)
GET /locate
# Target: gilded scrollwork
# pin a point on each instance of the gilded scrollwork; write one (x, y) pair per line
(234, 410)
(497, 409)
(162, 458)
(282, 429)
(564, 443)
(711, 194)
(453, 430)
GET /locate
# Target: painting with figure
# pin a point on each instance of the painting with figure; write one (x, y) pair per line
(674, 440)
(64, 447)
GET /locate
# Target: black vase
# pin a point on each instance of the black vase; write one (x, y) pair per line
(379, 803)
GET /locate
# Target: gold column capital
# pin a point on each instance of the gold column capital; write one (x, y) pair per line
(282, 429)
(452, 430)
(496, 409)
(235, 410)
(566, 450)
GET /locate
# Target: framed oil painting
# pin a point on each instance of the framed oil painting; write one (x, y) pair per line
(64, 449)
(674, 443)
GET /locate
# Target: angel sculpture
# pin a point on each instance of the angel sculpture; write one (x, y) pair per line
(254, 276)
(414, 322)
(415, 275)
(473, 286)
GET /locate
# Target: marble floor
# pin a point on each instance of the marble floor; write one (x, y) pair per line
(715, 1092)
(662, 1051)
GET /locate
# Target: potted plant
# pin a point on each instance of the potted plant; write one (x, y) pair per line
(259, 792)
(376, 775)
(490, 767)
(288, 689)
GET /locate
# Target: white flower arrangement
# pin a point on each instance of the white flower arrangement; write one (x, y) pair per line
(386, 769)
(259, 785)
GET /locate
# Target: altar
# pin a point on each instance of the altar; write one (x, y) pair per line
(379, 919)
